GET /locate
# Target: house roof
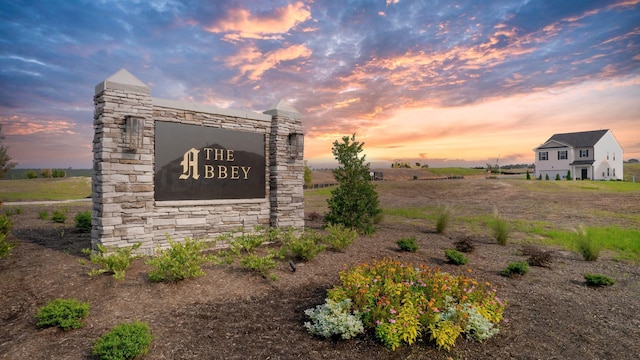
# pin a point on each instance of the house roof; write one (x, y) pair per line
(578, 139)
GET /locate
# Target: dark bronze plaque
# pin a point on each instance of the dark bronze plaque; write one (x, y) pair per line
(203, 163)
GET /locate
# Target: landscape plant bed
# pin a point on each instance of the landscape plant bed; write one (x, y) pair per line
(232, 313)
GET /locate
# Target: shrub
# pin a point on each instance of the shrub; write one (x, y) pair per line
(247, 242)
(334, 318)
(443, 217)
(83, 221)
(305, 247)
(464, 245)
(557, 176)
(182, 260)
(261, 264)
(43, 215)
(5, 224)
(515, 268)
(537, 257)
(124, 341)
(455, 257)
(5, 246)
(115, 262)
(64, 313)
(500, 229)
(354, 202)
(546, 176)
(407, 244)
(339, 237)
(528, 175)
(59, 216)
(31, 174)
(598, 280)
(400, 302)
(589, 249)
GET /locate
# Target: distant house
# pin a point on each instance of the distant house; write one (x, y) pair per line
(594, 155)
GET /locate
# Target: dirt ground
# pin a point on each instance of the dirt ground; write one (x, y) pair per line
(233, 314)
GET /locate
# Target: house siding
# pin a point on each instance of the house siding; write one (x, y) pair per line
(607, 154)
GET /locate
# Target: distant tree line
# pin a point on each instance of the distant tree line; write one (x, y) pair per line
(15, 174)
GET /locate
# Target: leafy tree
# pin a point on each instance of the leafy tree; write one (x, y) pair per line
(5, 161)
(307, 175)
(354, 203)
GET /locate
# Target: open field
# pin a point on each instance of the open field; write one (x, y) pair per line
(233, 314)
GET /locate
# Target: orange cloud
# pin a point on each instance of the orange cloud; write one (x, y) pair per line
(253, 63)
(241, 23)
(16, 125)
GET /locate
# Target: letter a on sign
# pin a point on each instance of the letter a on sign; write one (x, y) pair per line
(190, 164)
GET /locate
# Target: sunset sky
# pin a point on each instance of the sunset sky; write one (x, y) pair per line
(443, 83)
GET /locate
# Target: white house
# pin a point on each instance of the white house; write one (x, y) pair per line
(594, 155)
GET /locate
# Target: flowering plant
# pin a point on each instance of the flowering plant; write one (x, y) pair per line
(400, 302)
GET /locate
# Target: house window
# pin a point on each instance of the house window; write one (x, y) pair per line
(543, 155)
(614, 172)
(584, 153)
(562, 155)
(607, 171)
(607, 155)
(614, 157)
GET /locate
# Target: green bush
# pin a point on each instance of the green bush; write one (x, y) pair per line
(598, 280)
(546, 176)
(515, 268)
(5, 246)
(443, 217)
(339, 237)
(248, 242)
(182, 260)
(407, 244)
(354, 202)
(455, 257)
(305, 247)
(557, 176)
(31, 174)
(83, 221)
(59, 216)
(334, 318)
(400, 302)
(124, 341)
(5, 224)
(43, 214)
(500, 228)
(115, 262)
(261, 264)
(64, 313)
(586, 246)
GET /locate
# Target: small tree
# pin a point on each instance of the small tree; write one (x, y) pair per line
(307, 175)
(568, 174)
(354, 203)
(5, 160)
(528, 175)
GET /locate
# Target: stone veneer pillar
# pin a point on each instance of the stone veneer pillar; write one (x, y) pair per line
(122, 179)
(286, 173)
